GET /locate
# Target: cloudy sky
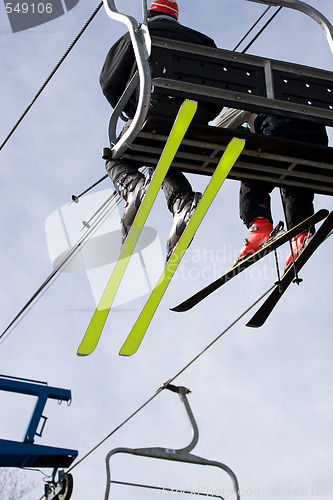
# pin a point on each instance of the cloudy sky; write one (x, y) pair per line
(262, 398)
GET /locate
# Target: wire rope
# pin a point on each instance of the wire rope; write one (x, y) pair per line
(106, 210)
(173, 378)
(261, 30)
(201, 353)
(57, 66)
(102, 213)
(78, 36)
(251, 29)
(170, 380)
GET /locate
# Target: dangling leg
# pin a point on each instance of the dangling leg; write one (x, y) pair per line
(255, 212)
(131, 185)
(298, 205)
(181, 201)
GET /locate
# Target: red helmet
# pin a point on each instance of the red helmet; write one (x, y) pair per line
(169, 7)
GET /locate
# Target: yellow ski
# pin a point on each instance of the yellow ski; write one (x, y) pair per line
(138, 331)
(95, 328)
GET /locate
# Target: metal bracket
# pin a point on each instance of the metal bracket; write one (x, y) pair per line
(62, 490)
(306, 9)
(176, 455)
(26, 453)
(142, 48)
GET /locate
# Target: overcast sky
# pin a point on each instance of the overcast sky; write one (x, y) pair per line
(262, 398)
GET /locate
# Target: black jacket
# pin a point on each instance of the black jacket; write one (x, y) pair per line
(120, 65)
(290, 128)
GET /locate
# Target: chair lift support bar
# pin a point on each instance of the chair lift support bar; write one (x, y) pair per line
(26, 453)
(306, 9)
(180, 455)
(142, 47)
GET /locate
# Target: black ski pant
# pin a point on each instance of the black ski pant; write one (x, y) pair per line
(255, 199)
(175, 183)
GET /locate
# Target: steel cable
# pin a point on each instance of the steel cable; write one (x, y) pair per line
(34, 99)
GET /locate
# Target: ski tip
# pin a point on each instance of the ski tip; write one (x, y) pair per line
(324, 212)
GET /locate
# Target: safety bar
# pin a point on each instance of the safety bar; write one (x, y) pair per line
(142, 48)
(306, 9)
(176, 455)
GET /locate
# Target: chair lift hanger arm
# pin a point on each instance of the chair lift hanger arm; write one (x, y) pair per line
(306, 9)
(142, 47)
(176, 455)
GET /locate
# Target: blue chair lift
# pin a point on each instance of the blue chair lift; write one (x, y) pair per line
(182, 455)
(232, 79)
(27, 453)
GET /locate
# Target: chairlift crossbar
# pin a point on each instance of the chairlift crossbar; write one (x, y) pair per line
(167, 490)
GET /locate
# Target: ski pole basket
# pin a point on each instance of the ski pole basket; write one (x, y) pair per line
(182, 455)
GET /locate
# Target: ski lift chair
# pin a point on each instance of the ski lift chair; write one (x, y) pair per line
(182, 455)
(235, 80)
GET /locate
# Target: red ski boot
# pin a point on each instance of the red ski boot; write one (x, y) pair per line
(260, 231)
(297, 244)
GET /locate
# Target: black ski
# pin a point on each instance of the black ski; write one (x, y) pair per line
(244, 264)
(259, 318)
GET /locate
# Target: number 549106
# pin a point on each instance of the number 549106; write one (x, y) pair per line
(28, 8)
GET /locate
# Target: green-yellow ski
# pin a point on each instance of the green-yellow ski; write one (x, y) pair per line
(95, 328)
(138, 331)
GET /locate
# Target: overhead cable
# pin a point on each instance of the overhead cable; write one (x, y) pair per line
(72, 252)
(170, 380)
(251, 29)
(107, 207)
(25, 112)
(262, 29)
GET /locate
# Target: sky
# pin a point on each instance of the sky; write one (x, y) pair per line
(262, 398)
